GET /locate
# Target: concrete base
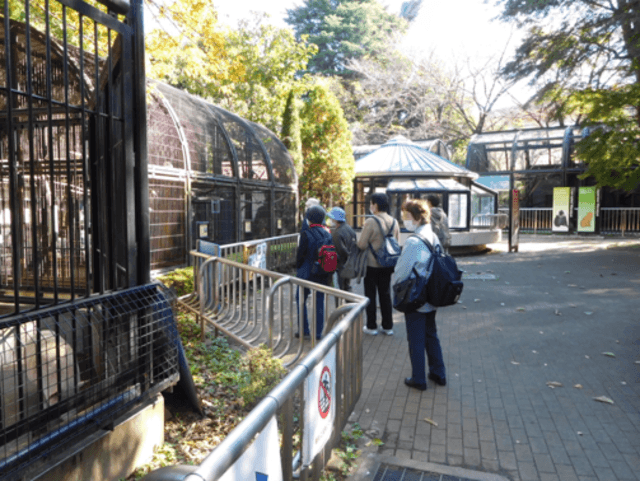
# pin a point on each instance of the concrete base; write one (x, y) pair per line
(112, 455)
(472, 238)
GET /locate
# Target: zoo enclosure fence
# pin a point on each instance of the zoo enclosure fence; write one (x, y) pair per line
(255, 306)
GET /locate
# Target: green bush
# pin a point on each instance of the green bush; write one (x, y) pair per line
(181, 280)
(265, 373)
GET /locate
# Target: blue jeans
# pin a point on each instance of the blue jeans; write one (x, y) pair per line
(423, 336)
(319, 311)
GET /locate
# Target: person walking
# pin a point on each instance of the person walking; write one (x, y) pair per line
(422, 334)
(311, 240)
(344, 238)
(439, 222)
(378, 279)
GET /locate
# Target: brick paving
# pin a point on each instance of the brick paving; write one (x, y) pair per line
(551, 312)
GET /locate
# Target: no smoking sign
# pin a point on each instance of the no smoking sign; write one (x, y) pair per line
(324, 393)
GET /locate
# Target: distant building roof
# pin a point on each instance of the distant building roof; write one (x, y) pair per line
(402, 157)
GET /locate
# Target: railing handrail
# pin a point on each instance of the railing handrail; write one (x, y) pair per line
(232, 447)
(258, 241)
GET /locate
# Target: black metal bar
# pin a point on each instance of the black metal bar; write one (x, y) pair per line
(117, 6)
(13, 178)
(110, 172)
(93, 13)
(85, 166)
(49, 107)
(140, 145)
(128, 158)
(32, 167)
(70, 209)
(98, 220)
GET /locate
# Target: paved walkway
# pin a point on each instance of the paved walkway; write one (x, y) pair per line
(551, 312)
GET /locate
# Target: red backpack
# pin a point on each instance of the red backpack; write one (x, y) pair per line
(327, 256)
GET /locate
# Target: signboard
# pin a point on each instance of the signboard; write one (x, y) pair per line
(561, 212)
(259, 259)
(514, 227)
(320, 407)
(261, 461)
(587, 209)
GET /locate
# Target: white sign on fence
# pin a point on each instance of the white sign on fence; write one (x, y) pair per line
(261, 461)
(259, 259)
(320, 407)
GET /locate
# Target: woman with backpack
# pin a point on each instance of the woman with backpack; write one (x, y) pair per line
(378, 278)
(422, 333)
(312, 240)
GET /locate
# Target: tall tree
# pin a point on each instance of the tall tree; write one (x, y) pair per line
(586, 55)
(344, 30)
(291, 130)
(248, 70)
(328, 167)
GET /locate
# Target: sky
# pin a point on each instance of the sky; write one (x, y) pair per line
(453, 29)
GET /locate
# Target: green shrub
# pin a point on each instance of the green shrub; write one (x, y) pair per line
(181, 280)
(265, 373)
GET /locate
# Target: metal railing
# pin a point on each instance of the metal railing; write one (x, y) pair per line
(490, 221)
(622, 220)
(255, 306)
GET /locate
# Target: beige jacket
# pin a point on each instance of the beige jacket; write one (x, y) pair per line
(371, 234)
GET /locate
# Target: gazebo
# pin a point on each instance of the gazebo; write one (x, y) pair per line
(402, 169)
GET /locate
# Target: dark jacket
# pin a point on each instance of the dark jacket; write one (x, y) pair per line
(343, 238)
(311, 240)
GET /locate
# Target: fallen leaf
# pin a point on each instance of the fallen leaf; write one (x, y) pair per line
(499, 328)
(554, 384)
(637, 362)
(579, 433)
(502, 303)
(431, 421)
(541, 332)
(603, 399)
(572, 305)
(617, 342)
(623, 383)
(588, 313)
(609, 354)
(572, 285)
(586, 357)
(507, 283)
(535, 352)
(567, 272)
(521, 309)
(578, 386)
(464, 307)
(476, 300)
(515, 363)
(558, 313)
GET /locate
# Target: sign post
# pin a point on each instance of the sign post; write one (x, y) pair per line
(561, 214)
(320, 407)
(514, 227)
(587, 209)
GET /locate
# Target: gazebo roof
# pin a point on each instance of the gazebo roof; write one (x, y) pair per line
(401, 157)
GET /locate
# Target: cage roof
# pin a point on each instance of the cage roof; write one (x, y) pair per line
(425, 185)
(402, 157)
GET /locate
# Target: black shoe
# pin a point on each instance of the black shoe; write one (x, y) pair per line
(437, 379)
(410, 382)
(306, 336)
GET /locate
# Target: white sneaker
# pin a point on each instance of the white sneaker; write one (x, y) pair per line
(371, 332)
(388, 332)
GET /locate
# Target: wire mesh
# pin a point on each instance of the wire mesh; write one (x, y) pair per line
(71, 370)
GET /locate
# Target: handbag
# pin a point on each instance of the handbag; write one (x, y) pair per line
(409, 295)
(389, 253)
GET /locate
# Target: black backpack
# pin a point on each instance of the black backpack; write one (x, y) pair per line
(389, 253)
(444, 285)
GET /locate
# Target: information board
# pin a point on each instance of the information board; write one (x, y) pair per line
(587, 209)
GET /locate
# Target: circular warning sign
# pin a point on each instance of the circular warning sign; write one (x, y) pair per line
(324, 393)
